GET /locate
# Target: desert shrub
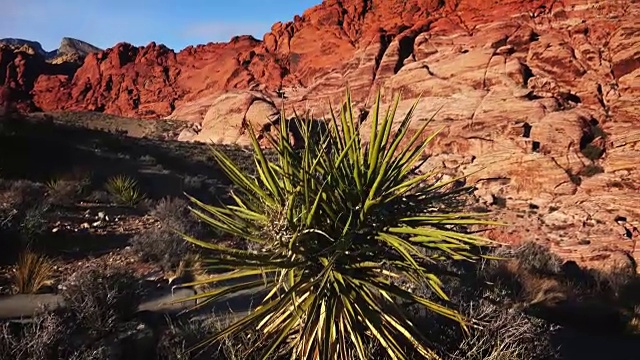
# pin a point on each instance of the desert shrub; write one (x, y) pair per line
(487, 293)
(33, 224)
(124, 190)
(32, 273)
(177, 341)
(98, 352)
(174, 213)
(180, 341)
(535, 258)
(592, 152)
(100, 301)
(193, 183)
(44, 338)
(164, 244)
(99, 196)
(148, 159)
(7, 341)
(504, 333)
(160, 245)
(591, 170)
(20, 194)
(66, 190)
(332, 223)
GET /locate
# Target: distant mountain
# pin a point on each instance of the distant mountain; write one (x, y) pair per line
(70, 49)
(36, 46)
(75, 46)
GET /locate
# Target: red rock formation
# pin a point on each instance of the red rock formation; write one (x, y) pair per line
(359, 42)
(21, 69)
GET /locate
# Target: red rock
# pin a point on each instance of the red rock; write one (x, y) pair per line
(322, 51)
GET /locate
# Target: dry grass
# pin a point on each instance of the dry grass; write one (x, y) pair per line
(32, 273)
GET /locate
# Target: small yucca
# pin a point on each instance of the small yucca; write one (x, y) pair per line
(336, 227)
(125, 190)
(32, 272)
(53, 183)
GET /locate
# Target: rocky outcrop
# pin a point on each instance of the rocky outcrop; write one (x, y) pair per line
(20, 70)
(239, 109)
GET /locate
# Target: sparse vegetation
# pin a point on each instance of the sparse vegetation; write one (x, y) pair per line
(505, 334)
(592, 152)
(124, 190)
(65, 190)
(591, 170)
(98, 304)
(32, 272)
(535, 258)
(33, 224)
(20, 194)
(100, 301)
(164, 244)
(180, 340)
(43, 339)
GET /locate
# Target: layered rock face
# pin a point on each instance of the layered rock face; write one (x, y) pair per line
(539, 97)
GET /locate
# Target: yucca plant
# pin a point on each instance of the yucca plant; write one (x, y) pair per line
(341, 227)
(125, 190)
(53, 183)
(32, 272)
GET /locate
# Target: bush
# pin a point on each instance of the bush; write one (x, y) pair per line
(193, 183)
(163, 244)
(20, 194)
(592, 152)
(505, 334)
(33, 224)
(160, 245)
(124, 190)
(45, 338)
(333, 223)
(99, 196)
(173, 213)
(66, 190)
(536, 258)
(486, 293)
(591, 170)
(180, 342)
(100, 301)
(93, 353)
(32, 273)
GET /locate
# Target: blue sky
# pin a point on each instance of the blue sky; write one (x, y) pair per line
(175, 23)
